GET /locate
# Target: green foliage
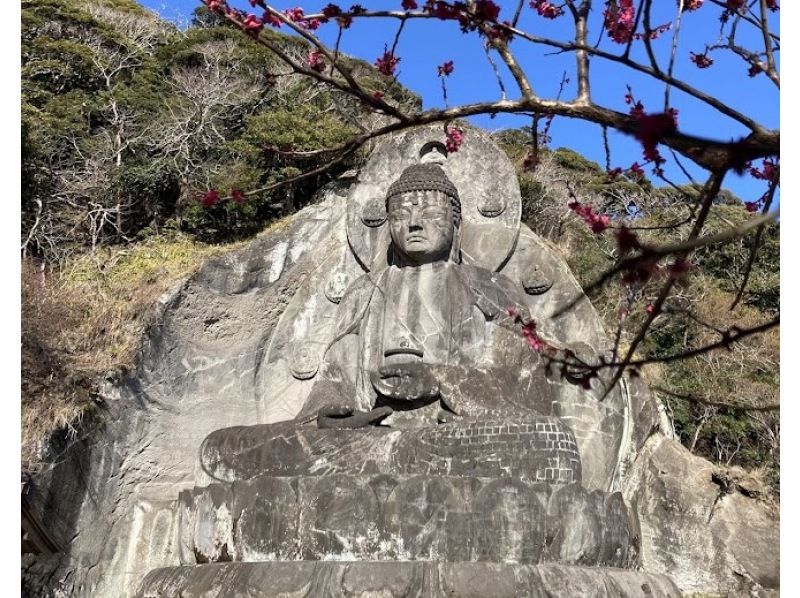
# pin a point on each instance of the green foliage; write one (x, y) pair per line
(572, 160)
(152, 189)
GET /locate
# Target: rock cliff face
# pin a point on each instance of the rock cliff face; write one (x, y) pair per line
(223, 352)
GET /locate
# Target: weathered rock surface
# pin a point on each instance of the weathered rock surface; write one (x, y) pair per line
(704, 538)
(405, 518)
(402, 580)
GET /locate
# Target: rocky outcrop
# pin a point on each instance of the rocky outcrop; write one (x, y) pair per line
(708, 537)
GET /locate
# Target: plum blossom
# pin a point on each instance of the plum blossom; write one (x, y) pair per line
(651, 128)
(237, 196)
(455, 137)
(409, 5)
(619, 20)
(315, 61)
(635, 171)
(331, 11)
(271, 19)
(444, 10)
(252, 25)
(692, 5)
(597, 223)
(210, 198)
(701, 60)
(486, 10)
(546, 9)
(294, 14)
(445, 68)
(387, 63)
(529, 333)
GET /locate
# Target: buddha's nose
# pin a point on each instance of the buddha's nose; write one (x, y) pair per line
(415, 220)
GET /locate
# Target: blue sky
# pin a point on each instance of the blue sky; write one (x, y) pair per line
(428, 43)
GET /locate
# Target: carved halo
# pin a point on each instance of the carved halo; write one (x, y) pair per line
(482, 173)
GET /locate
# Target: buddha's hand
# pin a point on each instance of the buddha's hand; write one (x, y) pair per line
(348, 418)
(406, 381)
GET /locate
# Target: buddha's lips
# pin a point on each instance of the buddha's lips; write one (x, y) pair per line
(415, 239)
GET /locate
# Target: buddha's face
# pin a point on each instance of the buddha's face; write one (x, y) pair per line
(421, 225)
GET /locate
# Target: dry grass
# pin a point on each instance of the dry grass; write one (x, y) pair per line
(86, 321)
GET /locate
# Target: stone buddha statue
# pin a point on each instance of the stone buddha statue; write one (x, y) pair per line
(414, 445)
(428, 337)
(425, 342)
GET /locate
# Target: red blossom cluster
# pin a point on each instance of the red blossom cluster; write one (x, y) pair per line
(271, 19)
(597, 223)
(636, 171)
(773, 5)
(409, 5)
(378, 95)
(387, 63)
(297, 15)
(446, 11)
(770, 171)
(529, 333)
(701, 60)
(618, 20)
(469, 17)
(333, 11)
(753, 70)
(210, 198)
(237, 196)
(455, 137)
(216, 5)
(252, 25)
(445, 69)
(692, 5)
(651, 128)
(486, 10)
(501, 32)
(294, 14)
(547, 9)
(315, 61)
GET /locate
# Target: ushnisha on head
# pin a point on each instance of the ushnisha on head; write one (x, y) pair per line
(424, 216)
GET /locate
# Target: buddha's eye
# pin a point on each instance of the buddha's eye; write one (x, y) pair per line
(434, 213)
(399, 215)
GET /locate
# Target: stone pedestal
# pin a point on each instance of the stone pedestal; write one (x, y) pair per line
(402, 580)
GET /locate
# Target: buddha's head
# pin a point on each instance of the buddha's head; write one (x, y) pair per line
(424, 216)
